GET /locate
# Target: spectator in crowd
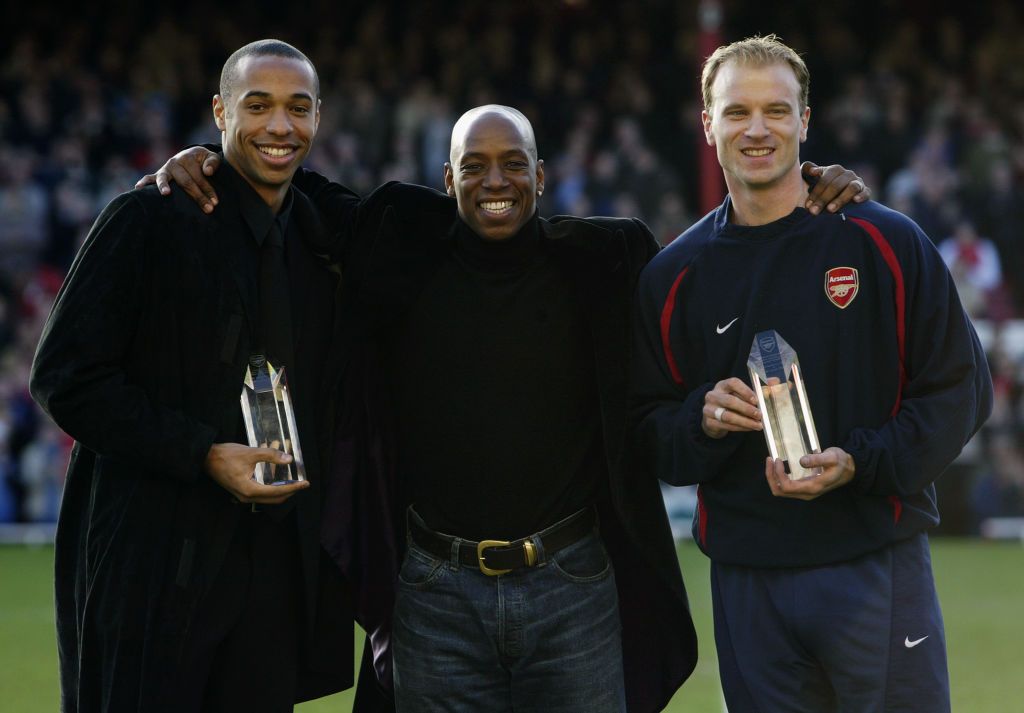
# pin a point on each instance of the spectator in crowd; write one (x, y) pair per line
(999, 205)
(43, 464)
(24, 205)
(10, 493)
(974, 264)
(998, 489)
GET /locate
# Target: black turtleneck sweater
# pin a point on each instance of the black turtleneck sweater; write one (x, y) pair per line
(495, 392)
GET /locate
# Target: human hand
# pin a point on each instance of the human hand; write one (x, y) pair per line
(730, 407)
(836, 186)
(189, 169)
(231, 465)
(837, 469)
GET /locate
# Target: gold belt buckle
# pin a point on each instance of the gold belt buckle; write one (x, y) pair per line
(486, 544)
(531, 555)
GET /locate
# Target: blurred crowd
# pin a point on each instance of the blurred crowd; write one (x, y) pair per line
(927, 107)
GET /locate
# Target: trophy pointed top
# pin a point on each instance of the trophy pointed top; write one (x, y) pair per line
(771, 356)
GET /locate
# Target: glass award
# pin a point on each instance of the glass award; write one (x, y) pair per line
(270, 420)
(785, 411)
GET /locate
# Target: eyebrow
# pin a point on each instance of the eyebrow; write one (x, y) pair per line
(504, 154)
(769, 105)
(267, 95)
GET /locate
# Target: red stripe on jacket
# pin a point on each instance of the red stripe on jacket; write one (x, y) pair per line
(897, 508)
(666, 324)
(900, 297)
(702, 518)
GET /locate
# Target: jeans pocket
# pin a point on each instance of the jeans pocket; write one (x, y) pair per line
(583, 561)
(419, 569)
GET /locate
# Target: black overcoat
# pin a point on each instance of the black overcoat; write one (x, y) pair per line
(141, 362)
(390, 245)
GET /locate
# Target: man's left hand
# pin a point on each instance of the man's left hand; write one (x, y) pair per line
(837, 469)
(835, 187)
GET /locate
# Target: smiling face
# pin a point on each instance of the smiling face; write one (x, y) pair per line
(268, 120)
(494, 173)
(756, 124)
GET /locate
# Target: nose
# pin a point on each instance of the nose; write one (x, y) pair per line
(279, 123)
(495, 177)
(756, 127)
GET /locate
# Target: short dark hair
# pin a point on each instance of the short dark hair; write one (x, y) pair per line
(261, 48)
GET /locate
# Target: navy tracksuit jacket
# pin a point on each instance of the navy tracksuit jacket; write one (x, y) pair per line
(894, 370)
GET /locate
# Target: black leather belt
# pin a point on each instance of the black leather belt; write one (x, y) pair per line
(495, 557)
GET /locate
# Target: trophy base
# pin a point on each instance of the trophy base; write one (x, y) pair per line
(799, 472)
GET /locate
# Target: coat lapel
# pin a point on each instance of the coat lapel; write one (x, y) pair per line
(595, 260)
(317, 348)
(405, 256)
(241, 256)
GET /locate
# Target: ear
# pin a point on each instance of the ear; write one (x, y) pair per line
(316, 118)
(804, 122)
(705, 119)
(540, 177)
(449, 179)
(218, 111)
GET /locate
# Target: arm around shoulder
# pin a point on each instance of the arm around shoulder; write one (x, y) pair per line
(643, 244)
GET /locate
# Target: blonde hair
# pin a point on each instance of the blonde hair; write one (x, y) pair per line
(757, 51)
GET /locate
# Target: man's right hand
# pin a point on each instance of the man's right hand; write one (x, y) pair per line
(730, 407)
(231, 465)
(189, 169)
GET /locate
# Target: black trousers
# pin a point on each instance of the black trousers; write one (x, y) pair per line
(242, 649)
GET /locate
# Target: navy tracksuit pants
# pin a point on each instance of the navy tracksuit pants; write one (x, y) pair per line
(854, 637)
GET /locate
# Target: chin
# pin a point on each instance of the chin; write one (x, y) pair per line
(495, 234)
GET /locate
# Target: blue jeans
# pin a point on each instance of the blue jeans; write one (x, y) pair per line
(545, 638)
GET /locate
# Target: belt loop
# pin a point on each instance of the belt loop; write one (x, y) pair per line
(453, 558)
(542, 556)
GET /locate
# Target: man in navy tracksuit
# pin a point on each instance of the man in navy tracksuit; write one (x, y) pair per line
(822, 588)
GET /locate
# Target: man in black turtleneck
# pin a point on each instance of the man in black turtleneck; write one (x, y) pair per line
(495, 356)
(487, 394)
(499, 432)
(483, 442)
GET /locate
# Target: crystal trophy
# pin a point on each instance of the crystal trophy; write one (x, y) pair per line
(781, 395)
(270, 421)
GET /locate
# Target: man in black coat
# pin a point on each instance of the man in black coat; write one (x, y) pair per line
(487, 387)
(181, 583)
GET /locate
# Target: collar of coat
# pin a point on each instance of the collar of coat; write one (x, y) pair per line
(408, 231)
(406, 220)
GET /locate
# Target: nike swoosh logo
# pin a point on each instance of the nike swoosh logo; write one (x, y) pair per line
(721, 330)
(911, 644)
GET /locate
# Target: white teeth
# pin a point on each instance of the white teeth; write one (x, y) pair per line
(276, 152)
(757, 152)
(496, 206)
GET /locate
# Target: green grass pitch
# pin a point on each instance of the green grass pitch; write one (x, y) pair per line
(981, 586)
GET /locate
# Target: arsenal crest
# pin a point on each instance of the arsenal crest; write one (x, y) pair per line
(841, 285)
